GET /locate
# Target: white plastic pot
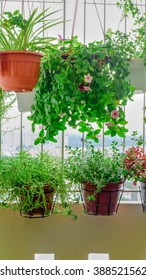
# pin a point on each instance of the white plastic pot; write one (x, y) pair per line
(25, 100)
(137, 74)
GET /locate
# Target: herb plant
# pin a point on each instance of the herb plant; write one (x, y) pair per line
(24, 176)
(94, 167)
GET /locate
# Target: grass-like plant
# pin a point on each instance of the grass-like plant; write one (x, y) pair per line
(23, 178)
(18, 33)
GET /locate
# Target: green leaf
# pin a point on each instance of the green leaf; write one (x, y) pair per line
(100, 125)
(83, 129)
(97, 131)
(96, 139)
(90, 135)
(122, 122)
(53, 100)
(91, 68)
(41, 133)
(108, 132)
(33, 127)
(48, 119)
(113, 133)
(82, 124)
(37, 141)
(121, 134)
(52, 139)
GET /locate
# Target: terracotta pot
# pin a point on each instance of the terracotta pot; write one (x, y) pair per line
(106, 202)
(19, 70)
(41, 211)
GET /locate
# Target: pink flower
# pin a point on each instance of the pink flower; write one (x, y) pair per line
(88, 78)
(60, 37)
(109, 124)
(115, 114)
(87, 88)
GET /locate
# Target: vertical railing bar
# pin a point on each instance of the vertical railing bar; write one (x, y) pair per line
(22, 7)
(144, 121)
(104, 31)
(1, 110)
(84, 34)
(0, 128)
(84, 41)
(21, 114)
(144, 99)
(104, 22)
(125, 31)
(64, 18)
(64, 35)
(21, 131)
(42, 146)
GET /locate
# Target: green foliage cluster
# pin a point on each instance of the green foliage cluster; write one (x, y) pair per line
(18, 33)
(95, 167)
(23, 175)
(137, 35)
(60, 96)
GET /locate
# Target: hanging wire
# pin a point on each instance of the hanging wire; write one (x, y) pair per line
(22, 8)
(74, 18)
(30, 8)
(96, 9)
(3, 7)
(121, 19)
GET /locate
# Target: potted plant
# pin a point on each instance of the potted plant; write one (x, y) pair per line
(137, 44)
(22, 45)
(101, 177)
(89, 87)
(135, 165)
(32, 184)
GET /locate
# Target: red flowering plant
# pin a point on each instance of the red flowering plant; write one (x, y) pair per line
(135, 161)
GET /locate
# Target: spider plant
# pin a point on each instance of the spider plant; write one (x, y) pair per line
(18, 33)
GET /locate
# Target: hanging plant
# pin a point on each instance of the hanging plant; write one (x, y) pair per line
(34, 186)
(89, 87)
(137, 43)
(22, 47)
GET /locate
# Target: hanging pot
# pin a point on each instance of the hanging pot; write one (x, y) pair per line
(19, 70)
(137, 74)
(25, 100)
(143, 195)
(106, 202)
